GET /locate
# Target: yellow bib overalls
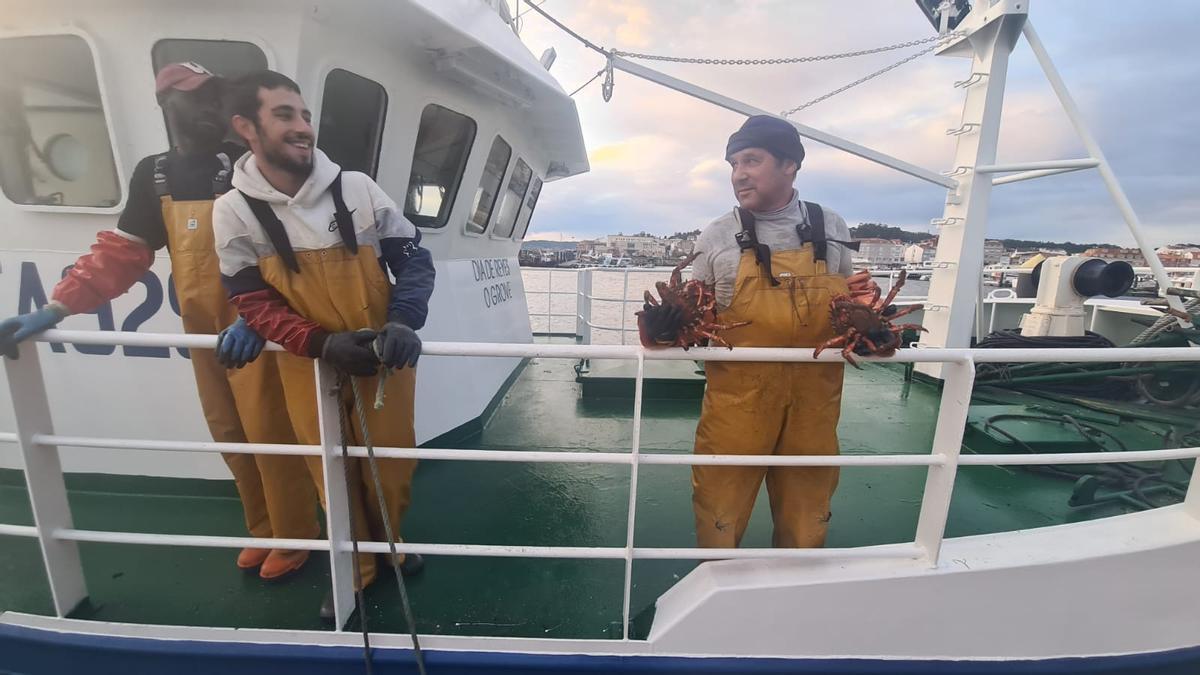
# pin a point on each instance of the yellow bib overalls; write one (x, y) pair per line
(243, 405)
(346, 291)
(771, 408)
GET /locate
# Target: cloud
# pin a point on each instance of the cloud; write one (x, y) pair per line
(657, 154)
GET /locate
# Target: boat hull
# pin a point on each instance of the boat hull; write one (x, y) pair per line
(33, 651)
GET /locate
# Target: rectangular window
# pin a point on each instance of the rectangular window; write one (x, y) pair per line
(514, 198)
(352, 113)
(227, 58)
(444, 140)
(531, 200)
(489, 186)
(54, 142)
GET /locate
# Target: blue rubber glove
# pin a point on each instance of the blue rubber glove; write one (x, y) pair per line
(238, 345)
(17, 329)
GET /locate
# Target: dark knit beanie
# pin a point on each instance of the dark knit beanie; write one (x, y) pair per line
(769, 133)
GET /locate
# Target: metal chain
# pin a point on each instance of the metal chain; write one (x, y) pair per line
(881, 71)
(778, 61)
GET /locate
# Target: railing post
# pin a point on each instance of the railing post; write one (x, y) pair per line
(583, 306)
(959, 379)
(624, 302)
(631, 523)
(1191, 501)
(44, 480)
(549, 301)
(337, 501)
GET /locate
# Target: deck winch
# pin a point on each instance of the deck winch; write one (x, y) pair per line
(1064, 283)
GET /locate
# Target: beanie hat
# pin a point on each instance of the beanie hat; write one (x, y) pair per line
(770, 133)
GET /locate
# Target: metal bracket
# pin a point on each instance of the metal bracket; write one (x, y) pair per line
(966, 128)
(958, 171)
(971, 81)
(943, 222)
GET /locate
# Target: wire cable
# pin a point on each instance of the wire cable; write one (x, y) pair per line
(585, 84)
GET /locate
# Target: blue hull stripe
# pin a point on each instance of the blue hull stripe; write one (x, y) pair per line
(30, 651)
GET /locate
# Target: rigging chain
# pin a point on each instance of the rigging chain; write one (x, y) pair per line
(792, 111)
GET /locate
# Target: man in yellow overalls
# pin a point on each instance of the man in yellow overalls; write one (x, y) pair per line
(170, 204)
(775, 262)
(305, 249)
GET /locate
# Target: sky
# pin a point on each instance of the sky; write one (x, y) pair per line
(657, 156)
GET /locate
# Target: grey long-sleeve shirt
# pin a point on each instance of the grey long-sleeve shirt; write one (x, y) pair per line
(719, 256)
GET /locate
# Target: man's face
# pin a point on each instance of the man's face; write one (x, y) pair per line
(760, 181)
(283, 135)
(196, 115)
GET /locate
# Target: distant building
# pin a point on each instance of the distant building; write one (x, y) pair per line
(878, 252)
(629, 245)
(1179, 256)
(678, 248)
(994, 252)
(916, 254)
(1132, 256)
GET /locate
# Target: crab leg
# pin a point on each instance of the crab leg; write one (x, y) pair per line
(908, 326)
(895, 289)
(848, 350)
(833, 342)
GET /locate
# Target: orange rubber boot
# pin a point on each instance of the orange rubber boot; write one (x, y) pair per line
(250, 558)
(280, 563)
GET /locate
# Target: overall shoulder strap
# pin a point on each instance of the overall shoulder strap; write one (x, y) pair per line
(342, 216)
(222, 180)
(747, 239)
(275, 231)
(161, 188)
(816, 220)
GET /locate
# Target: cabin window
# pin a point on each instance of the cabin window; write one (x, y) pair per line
(531, 199)
(514, 198)
(351, 129)
(54, 144)
(489, 186)
(444, 140)
(226, 58)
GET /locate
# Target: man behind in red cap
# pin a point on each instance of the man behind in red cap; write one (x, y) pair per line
(170, 204)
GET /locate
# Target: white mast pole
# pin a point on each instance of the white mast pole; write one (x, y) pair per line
(954, 287)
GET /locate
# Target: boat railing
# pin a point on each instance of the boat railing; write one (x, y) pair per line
(58, 536)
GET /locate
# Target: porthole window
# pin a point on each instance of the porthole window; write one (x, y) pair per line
(514, 199)
(55, 149)
(352, 113)
(489, 186)
(444, 140)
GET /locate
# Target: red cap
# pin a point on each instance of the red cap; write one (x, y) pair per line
(187, 76)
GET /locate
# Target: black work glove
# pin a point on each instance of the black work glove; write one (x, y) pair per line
(351, 352)
(662, 322)
(398, 345)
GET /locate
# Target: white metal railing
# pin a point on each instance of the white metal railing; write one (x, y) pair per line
(58, 536)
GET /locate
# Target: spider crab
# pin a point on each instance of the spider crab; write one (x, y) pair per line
(861, 321)
(698, 302)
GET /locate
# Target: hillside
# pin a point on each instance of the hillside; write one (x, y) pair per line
(882, 231)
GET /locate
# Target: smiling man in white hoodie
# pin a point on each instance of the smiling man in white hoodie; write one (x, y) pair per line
(305, 250)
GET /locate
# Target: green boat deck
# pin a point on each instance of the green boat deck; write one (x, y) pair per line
(519, 503)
